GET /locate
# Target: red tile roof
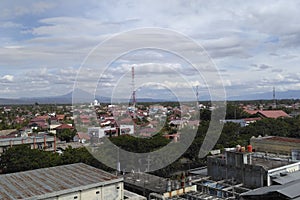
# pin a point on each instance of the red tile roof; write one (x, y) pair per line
(60, 117)
(251, 112)
(83, 136)
(43, 117)
(64, 126)
(252, 119)
(273, 113)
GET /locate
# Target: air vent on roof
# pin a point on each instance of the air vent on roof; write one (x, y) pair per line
(283, 174)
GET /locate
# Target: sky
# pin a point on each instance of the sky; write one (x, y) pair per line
(44, 45)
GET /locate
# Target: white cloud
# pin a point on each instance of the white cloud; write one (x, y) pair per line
(7, 78)
(59, 35)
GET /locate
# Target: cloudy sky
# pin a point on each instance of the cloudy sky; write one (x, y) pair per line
(255, 44)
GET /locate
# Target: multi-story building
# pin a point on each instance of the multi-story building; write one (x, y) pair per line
(275, 144)
(154, 187)
(252, 169)
(35, 142)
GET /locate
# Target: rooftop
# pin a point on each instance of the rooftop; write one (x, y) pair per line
(280, 139)
(64, 126)
(143, 180)
(50, 182)
(284, 139)
(26, 140)
(273, 113)
(286, 178)
(289, 191)
(269, 163)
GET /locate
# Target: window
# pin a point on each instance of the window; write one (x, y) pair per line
(49, 144)
(97, 192)
(75, 197)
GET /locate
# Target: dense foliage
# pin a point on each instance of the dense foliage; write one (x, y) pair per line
(139, 145)
(22, 158)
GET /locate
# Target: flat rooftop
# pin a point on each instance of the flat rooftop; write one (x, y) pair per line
(269, 163)
(148, 181)
(284, 139)
(53, 181)
(27, 139)
(279, 139)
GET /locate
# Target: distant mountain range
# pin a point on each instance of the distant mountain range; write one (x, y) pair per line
(290, 94)
(85, 97)
(80, 96)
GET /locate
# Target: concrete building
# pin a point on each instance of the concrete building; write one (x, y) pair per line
(126, 129)
(274, 144)
(286, 186)
(133, 196)
(36, 142)
(154, 187)
(251, 169)
(75, 181)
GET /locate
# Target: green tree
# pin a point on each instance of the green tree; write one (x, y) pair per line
(66, 135)
(22, 157)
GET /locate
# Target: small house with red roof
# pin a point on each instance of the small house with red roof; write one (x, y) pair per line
(60, 117)
(81, 137)
(274, 114)
(64, 126)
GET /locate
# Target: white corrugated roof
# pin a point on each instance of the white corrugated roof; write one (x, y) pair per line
(53, 181)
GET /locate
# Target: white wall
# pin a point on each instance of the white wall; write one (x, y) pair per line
(109, 192)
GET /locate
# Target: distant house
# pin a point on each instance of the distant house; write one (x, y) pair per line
(251, 120)
(126, 129)
(64, 126)
(39, 142)
(243, 122)
(272, 114)
(38, 125)
(236, 121)
(251, 112)
(177, 123)
(81, 137)
(60, 117)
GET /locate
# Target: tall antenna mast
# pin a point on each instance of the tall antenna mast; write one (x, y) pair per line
(133, 87)
(197, 96)
(274, 97)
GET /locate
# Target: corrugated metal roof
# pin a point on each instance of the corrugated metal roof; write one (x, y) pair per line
(287, 178)
(54, 180)
(290, 190)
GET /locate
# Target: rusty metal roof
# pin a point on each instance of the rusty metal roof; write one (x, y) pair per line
(53, 181)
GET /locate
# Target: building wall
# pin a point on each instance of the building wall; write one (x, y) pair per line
(35, 143)
(108, 192)
(284, 169)
(271, 146)
(234, 165)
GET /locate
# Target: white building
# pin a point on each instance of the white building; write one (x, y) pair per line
(76, 181)
(126, 129)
